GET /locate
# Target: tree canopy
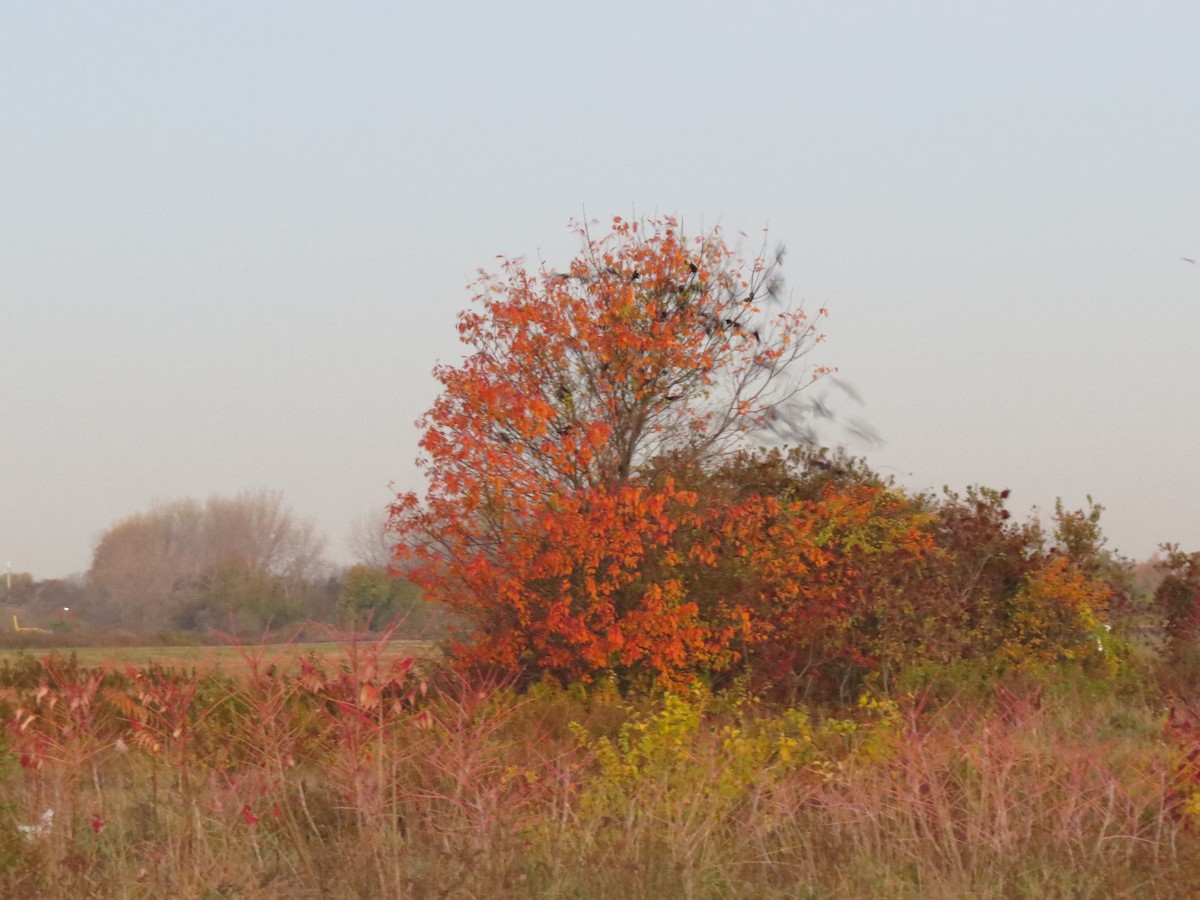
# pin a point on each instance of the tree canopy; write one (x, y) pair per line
(553, 449)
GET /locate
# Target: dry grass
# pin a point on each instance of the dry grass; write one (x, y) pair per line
(348, 774)
(228, 659)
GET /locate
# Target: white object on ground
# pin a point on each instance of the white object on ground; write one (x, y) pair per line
(41, 829)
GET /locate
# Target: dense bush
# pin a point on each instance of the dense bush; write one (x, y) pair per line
(803, 571)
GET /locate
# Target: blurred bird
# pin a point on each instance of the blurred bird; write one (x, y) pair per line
(1188, 259)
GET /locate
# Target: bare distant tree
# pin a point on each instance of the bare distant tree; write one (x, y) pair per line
(370, 541)
(259, 531)
(141, 560)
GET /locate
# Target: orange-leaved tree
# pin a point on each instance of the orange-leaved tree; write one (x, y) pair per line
(548, 523)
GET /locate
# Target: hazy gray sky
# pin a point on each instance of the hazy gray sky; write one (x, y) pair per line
(234, 236)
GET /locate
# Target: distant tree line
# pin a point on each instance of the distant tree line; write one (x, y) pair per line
(238, 565)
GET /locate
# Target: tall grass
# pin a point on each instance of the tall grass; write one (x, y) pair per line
(367, 776)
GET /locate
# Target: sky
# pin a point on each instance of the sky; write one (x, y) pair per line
(234, 237)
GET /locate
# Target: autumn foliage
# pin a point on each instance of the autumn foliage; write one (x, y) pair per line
(595, 502)
(541, 523)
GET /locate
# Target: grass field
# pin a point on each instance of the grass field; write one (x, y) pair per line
(230, 660)
(341, 770)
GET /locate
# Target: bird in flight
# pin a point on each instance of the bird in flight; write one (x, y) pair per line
(1188, 259)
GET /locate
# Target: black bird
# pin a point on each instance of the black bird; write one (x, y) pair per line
(1188, 259)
